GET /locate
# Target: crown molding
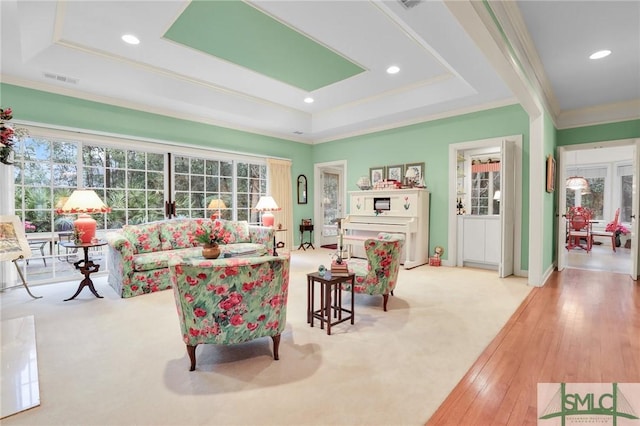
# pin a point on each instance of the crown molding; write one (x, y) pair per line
(64, 91)
(517, 35)
(421, 119)
(601, 114)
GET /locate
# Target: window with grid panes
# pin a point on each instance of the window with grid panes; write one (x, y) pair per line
(483, 187)
(252, 183)
(197, 181)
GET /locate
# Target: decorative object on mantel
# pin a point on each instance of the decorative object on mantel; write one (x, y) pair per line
(414, 175)
(364, 183)
(387, 184)
(8, 136)
(410, 177)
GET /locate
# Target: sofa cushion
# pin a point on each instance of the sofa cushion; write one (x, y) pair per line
(232, 231)
(144, 237)
(180, 233)
(159, 260)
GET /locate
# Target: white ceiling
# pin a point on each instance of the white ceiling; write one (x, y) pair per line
(443, 72)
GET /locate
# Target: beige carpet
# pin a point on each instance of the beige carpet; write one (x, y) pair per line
(119, 361)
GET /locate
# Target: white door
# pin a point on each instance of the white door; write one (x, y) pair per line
(562, 202)
(331, 205)
(507, 207)
(634, 212)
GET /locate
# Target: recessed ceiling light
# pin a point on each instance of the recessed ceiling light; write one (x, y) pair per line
(600, 54)
(393, 69)
(308, 100)
(130, 39)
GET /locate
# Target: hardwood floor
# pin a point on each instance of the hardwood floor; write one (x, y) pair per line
(582, 327)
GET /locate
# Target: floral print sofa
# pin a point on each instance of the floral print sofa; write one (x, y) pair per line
(227, 301)
(379, 273)
(139, 254)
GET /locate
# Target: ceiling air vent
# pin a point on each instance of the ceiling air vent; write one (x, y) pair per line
(61, 78)
(408, 4)
(298, 132)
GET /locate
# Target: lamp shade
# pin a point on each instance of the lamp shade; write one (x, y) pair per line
(576, 183)
(411, 173)
(216, 204)
(266, 205)
(84, 202)
(496, 195)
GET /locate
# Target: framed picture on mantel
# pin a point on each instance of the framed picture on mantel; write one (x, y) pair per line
(377, 174)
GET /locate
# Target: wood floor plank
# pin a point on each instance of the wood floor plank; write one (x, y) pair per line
(582, 326)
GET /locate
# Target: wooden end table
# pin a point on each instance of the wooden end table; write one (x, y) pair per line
(329, 283)
(86, 266)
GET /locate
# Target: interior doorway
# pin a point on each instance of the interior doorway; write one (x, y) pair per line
(485, 218)
(611, 172)
(329, 200)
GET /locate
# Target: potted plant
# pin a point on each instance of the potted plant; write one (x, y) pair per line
(618, 229)
(209, 241)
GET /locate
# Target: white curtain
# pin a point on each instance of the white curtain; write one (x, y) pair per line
(280, 189)
(8, 275)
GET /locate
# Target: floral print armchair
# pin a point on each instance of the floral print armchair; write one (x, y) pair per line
(379, 274)
(227, 301)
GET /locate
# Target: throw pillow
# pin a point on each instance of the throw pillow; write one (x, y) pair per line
(180, 233)
(145, 237)
(232, 231)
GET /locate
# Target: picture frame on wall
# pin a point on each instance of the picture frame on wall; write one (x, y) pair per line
(395, 172)
(13, 242)
(551, 173)
(377, 174)
(418, 173)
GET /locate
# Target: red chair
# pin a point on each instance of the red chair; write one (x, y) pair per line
(612, 234)
(579, 228)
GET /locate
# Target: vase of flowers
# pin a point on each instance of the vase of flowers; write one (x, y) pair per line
(618, 229)
(209, 241)
(8, 136)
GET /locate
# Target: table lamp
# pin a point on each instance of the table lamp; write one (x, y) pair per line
(216, 204)
(266, 205)
(84, 202)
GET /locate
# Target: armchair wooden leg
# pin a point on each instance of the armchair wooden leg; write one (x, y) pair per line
(191, 350)
(276, 345)
(385, 298)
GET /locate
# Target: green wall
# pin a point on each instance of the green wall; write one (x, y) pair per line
(48, 108)
(600, 132)
(548, 221)
(429, 142)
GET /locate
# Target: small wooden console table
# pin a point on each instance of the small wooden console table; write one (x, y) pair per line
(86, 266)
(305, 245)
(328, 284)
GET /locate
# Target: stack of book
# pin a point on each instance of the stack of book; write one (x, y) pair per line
(339, 269)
